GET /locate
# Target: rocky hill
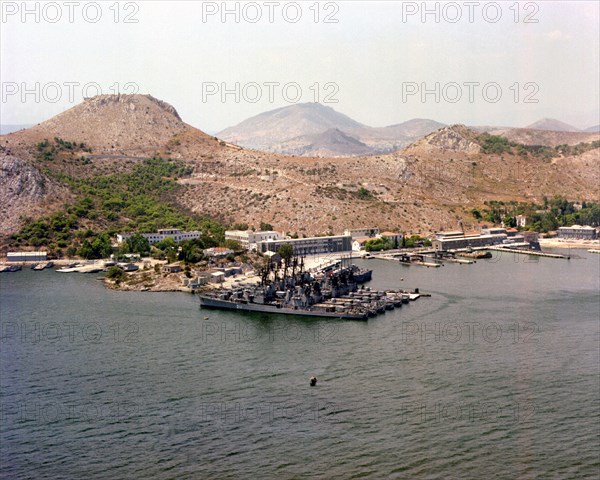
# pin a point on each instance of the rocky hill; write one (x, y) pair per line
(457, 138)
(431, 184)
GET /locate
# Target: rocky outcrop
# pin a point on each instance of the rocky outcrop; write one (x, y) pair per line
(457, 138)
(24, 191)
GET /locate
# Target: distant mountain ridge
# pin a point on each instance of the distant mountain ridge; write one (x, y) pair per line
(290, 130)
(553, 125)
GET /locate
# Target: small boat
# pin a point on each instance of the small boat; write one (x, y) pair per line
(128, 267)
(72, 267)
(10, 268)
(42, 266)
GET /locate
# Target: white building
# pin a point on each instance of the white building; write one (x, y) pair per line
(358, 244)
(577, 232)
(310, 246)
(362, 232)
(249, 239)
(26, 257)
(521, 220)
(174, 233)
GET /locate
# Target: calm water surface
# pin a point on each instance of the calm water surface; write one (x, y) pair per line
(495, 376)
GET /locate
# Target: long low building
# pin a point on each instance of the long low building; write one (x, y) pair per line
(310, 246)
(456, 242)
(577, 232)
(249, 239)
(26, 256)
(162, 234)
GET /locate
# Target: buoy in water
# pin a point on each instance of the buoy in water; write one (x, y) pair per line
(313, 381)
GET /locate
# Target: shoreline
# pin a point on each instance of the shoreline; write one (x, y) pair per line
(571, 244)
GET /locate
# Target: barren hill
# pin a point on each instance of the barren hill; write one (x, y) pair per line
(115, 124)
(456, 137)
(330, 143)
(431, 184)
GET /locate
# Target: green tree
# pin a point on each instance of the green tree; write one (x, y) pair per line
(137, 244)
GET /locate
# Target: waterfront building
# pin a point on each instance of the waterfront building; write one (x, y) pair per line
(249, 239)
(26, 256)
(362, 232)
(577, 232)
(311, 245)
(521, 220)
(445, 241)
(159, 236)
(358, 244)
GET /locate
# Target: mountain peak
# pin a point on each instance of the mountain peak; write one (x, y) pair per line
(113, 123)
(553, 125)
(129, 101)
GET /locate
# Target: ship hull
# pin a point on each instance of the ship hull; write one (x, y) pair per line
(214, 303)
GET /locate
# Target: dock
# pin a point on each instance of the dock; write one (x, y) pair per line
(408, 259)
(527, 252)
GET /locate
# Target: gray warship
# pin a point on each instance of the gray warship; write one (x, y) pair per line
(333, 292)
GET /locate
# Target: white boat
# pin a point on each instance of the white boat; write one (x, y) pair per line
(70, 268)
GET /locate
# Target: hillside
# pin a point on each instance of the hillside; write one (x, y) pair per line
(330, 143)
(70, 168)
(549, 138)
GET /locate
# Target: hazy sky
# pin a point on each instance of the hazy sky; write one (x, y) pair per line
(535, 59)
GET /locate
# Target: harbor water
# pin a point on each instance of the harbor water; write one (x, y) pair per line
(495, 376)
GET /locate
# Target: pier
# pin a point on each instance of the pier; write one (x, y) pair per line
(527, 252)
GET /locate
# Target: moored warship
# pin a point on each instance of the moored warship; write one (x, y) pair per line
(332, 292)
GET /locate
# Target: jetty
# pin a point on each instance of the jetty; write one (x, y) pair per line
(419, 259)
(522, 251)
